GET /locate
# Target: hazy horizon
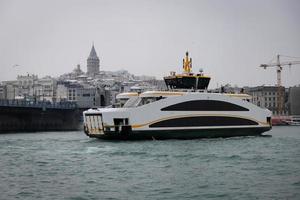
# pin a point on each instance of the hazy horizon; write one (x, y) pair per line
(228, 39)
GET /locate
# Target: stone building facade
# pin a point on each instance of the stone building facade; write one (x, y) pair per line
(85, 96)
(294, 100)
(2, 91)
(267, 97)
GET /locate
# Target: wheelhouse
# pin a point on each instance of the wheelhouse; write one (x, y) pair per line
(122, 98)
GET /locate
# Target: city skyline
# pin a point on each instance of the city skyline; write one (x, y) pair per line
(228, 40)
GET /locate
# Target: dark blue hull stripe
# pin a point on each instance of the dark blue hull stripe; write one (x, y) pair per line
(182, 134)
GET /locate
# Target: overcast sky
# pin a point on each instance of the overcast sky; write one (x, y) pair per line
(229, 39)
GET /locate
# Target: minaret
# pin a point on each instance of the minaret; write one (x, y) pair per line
(93, 63)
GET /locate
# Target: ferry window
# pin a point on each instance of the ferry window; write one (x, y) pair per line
(204, 105)
(147, 100)
(203, 121)
(131, 102)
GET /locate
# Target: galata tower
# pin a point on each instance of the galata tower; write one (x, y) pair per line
(93, 63)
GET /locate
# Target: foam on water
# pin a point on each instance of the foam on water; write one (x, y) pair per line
(96, 149)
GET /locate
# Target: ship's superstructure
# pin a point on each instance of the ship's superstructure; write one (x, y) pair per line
(187, 79)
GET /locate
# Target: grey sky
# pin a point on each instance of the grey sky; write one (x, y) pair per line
(229, 39)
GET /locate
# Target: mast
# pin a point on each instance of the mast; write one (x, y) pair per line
(187, 64)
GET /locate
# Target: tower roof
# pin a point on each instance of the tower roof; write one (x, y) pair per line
(93, 53)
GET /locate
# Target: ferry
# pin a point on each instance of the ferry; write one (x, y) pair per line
(186, 111)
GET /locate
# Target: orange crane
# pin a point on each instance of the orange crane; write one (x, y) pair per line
(280, 89)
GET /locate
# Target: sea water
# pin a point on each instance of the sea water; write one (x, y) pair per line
(69, 165)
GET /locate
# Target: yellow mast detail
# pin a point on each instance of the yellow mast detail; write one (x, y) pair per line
(187, 63)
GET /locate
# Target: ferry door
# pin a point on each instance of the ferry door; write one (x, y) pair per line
(94, 123)
(119, 122)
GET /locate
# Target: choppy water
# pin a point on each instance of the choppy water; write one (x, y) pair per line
(70, 165)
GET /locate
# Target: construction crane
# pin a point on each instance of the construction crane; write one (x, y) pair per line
(280, 90)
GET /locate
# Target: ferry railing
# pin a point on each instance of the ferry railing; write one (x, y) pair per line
(37, 104)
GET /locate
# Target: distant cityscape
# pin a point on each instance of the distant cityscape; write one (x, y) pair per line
(96, 88)
(86, 89)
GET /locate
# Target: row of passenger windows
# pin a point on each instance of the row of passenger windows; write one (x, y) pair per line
(205, 105)
(203, 121)
(195, 105)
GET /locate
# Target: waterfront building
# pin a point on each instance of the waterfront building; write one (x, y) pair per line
(11, 90)
(26, 85)
(294, 103)
(93, 63)
(45, 89)
(2, 91)
(267, 97)
(27, 80)
(85, 96)
(30, 88)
